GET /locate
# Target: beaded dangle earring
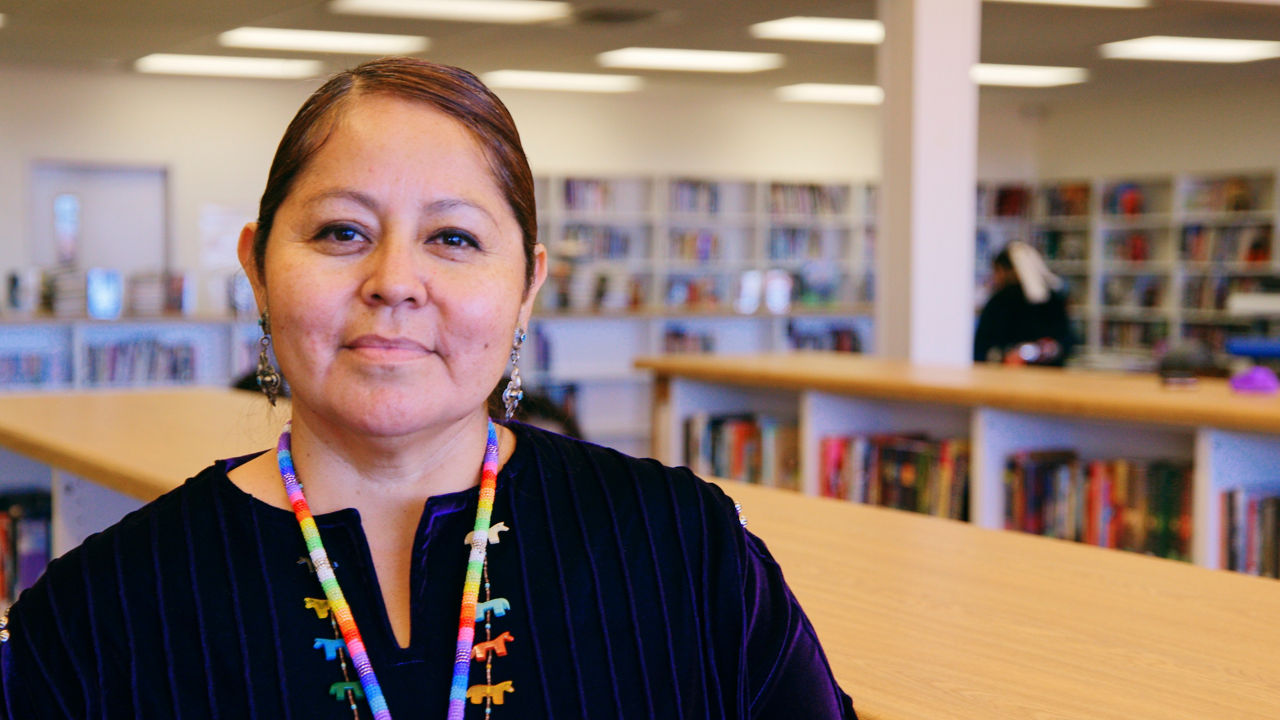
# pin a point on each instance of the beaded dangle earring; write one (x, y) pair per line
(268, 377)
(513, 393)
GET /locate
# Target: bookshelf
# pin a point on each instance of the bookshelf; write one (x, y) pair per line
(1148, 260)
(644, 265)
(72, 354)
(1229, 440)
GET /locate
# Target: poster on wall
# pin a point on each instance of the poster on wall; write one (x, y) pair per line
(66, 227)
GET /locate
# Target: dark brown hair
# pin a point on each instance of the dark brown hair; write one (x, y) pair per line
(453, 91)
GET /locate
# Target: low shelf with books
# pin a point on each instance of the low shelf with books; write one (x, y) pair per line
(1214, 439)
(1137, 505)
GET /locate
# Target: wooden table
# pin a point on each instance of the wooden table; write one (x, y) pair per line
(1135, 397)
(923, 619)
(111, 451)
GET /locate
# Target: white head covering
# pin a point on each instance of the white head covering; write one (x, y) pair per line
(1034, 276)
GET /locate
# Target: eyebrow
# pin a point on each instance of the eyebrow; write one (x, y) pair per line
(370, 203)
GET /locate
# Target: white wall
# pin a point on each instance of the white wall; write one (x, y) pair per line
(1229, 127)
(216, 138)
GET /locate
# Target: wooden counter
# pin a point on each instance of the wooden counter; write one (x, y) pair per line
(922, 619)
(1079, 393)
(925, 619)
(138, 443)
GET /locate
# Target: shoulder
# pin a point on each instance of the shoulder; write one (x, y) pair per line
(61, 627)
(105, 557)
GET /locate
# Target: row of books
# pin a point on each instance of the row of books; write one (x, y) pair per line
(749, 447)
(104, 293)
(1250, 541)
(1129, 245)
(26, 368)
(599, 195)
(1213, 336)
(696, 196)
(817, 200)
(139, 361)
(1233, 194)
(1122, 334)
(1138, 505)
(835, 336)
(1144, 291)
(1067, 199)
(595, 242)
(1127, 199)
(1210, 293)
(1004, 201)
(25, 541)
(1063, 245)
(677, 338)
(695, 245)
(1238, 243)
(907, 472)
(789, 243)
(696, 291)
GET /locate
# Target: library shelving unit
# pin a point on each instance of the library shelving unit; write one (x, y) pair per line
(1149, 260)
(51, 353)
(1232, 441)
(643, 265)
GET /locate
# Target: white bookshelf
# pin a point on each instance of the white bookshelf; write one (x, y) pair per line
(1149, 259)
(637, 260)
(84, 354)
(998, 418)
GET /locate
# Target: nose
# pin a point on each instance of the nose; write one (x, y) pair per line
(395, 276)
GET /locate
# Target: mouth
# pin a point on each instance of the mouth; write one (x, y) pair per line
(386, 349)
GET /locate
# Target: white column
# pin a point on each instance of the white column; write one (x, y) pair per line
(925, 248)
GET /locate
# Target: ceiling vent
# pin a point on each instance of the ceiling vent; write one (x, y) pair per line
(613, 15)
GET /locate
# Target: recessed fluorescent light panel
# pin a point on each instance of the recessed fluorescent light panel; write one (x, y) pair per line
(226, 66)
(1, 19)
(689, 60)
(490, 11)
(1120, 4)
(819, 29)
(323, 41)
(1191, 49)
(827, 93)
(571, 82)
(1027, 75)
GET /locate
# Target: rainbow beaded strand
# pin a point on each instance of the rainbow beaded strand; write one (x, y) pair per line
(338, 603)
(471, 585)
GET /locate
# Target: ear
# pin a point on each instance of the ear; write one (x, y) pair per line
(539, 277)
(244, 249)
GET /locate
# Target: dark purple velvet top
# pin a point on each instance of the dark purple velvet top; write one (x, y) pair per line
(629, 590)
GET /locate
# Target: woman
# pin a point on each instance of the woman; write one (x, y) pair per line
(1025, 320)
(429, 563)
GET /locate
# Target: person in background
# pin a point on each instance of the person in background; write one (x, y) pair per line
(1025, 320)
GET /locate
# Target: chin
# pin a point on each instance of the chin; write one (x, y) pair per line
(385, 410)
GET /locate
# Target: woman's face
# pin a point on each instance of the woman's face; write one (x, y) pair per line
(394, 273)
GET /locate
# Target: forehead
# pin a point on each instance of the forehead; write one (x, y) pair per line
(385, 138)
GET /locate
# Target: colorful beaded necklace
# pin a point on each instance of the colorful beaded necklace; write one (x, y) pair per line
(342, 611)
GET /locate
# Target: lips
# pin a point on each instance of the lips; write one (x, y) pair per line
(378, 342)
(380, 347)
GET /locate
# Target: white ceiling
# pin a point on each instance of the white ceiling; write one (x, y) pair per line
(111, 34)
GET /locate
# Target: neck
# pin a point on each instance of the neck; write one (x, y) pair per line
(341, 469)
